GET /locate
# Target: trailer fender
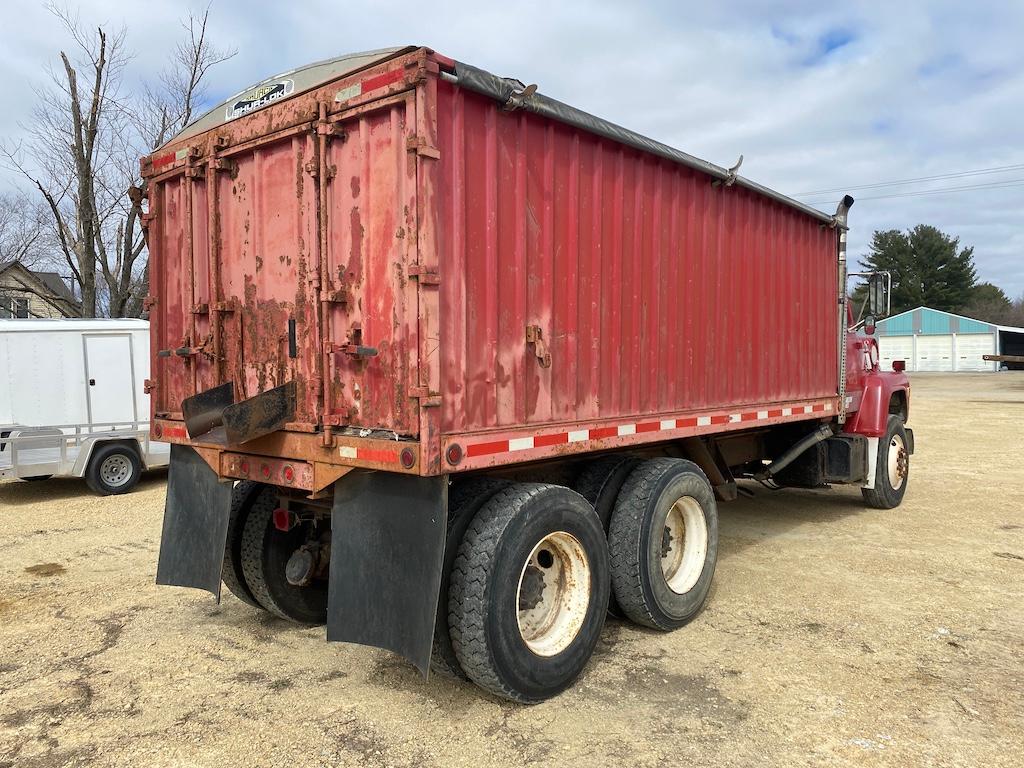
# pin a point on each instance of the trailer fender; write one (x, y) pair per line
(387, 554)
(871, 418)
(195, 524)
(89, 447)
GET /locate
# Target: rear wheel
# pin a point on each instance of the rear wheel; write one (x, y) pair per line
(242, 497)
(528, 591)
(892, 468)
(283, 569)
(600, 484)
(113, 468)
(663, 543)
(464, 501)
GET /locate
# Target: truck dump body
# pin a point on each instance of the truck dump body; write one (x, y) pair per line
(557, 343)
(482, 285)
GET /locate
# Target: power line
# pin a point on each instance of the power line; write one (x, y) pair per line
(944, 190)
(959, 174)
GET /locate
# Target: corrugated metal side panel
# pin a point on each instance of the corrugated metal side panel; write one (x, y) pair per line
(898, 325)
(934, 322)
(655, 291)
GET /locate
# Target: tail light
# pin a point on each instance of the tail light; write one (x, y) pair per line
(899, 365)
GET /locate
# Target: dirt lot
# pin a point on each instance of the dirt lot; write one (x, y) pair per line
(834, 635)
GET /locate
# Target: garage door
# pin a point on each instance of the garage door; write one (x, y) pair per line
(895, 348)
(969, 349)
(934, 353)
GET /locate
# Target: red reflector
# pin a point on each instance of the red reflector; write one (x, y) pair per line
(282, 520)
(899, 365)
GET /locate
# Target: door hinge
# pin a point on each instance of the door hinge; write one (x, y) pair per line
(426, 398)
(149, 302)
(425, 275)
(420, 146)
(148, 385)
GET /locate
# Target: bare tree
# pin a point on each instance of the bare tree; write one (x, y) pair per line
(169, 106)
(23, 229)
(82, 151)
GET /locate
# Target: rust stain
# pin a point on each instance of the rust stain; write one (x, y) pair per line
(355, 262)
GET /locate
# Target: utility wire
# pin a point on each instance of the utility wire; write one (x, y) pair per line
(922, 193)
(959, 174)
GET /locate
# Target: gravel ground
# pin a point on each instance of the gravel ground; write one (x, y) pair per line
(834, 635)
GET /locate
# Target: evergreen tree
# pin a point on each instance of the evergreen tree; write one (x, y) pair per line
(928, 268)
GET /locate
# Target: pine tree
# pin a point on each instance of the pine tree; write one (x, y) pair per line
(928, 268)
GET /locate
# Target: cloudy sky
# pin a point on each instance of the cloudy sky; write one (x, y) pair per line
(816, 96)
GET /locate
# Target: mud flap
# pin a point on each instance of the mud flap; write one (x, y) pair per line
(195, 524)
(387, 551)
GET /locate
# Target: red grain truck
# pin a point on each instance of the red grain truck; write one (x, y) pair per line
(455, 368)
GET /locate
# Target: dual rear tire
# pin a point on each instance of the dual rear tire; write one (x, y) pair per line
(535, 569)
(257, 554)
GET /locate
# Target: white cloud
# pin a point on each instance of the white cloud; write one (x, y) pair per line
(907, 89)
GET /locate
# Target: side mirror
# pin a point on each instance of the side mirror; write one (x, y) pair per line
(878, 296)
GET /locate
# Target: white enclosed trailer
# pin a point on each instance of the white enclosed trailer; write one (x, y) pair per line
(73, 402)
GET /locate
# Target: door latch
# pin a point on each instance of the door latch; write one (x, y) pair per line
(535, 336)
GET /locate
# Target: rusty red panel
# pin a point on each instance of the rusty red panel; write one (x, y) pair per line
(655, 291)
(371, 219)
(171, 286)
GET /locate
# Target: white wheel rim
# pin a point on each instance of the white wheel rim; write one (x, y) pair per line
(115, 470)
(684, 545)
(897, 462)
(553, 594)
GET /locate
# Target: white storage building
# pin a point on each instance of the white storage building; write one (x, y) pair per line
(935, 340)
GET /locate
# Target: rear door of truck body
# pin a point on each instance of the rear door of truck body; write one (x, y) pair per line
(236, 240)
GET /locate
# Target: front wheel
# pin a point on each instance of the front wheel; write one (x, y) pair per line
(892, 468)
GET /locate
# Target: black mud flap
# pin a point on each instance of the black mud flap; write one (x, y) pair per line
(387, 551)
(195, 524)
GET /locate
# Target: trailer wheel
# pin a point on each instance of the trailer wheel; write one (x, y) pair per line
(242, 497)
(528, 591)
(892, 468)
(600, 484)
(663, 543)
(113, 468)
(464, 501)
(265, 554)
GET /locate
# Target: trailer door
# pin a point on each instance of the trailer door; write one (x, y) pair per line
(109, 379)
(370, 211)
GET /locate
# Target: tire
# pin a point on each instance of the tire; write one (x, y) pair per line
(37, 478)
(887, 493)
(264, 554)
(514, 631)
(114, 468)
(464, 501)
(600, 483)
(242, 497)
(658, 587)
